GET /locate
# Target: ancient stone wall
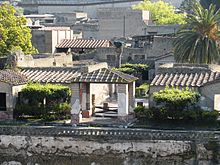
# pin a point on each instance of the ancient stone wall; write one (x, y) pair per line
(70, 141)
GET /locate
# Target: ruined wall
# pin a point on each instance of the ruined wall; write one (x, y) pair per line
(44, 60)
(66, 141)
(209, 91)
(121, 22)
(11, 96)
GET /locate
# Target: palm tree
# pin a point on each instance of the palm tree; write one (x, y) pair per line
(198, 39)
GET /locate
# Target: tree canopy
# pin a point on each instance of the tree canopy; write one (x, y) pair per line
(197, 41)
(14, 34)
(161, 12)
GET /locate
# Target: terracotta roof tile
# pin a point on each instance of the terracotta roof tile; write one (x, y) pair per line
(50, 74)
(83, 43)
(104, 76)
(184, 76)
(11, 77)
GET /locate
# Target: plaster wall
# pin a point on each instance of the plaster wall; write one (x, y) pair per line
(11, 97)
(123, 100)
(209, 91)
(101, 92)
(44, 60)
(46, 40)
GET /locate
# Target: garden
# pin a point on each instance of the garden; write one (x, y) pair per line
(176, 106)
(48, 102)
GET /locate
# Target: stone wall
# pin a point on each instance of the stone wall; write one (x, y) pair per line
(44, 60)
(161, 46)
(69, 141)
(11, 96)
(209, 91)
(121, 22)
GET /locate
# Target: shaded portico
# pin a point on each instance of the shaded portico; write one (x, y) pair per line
(81, 100)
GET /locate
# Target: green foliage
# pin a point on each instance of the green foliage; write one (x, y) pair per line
(133, 69)
(44, 101)
(185, 116)
(14, 35)
(142, 90)
(36, 93)
(161, 12)
(207, 3)
(176, 99)
(197, 41)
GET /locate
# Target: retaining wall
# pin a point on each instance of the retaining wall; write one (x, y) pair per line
(70, 141)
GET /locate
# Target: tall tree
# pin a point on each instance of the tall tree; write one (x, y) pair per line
(14, 34)
(207, 3)
(161, 12)
(197, 41)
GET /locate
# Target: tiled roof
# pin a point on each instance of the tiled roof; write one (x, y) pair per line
(83, 43)
(105, 76)
(50, 74)
(11, 77)
(184, 76)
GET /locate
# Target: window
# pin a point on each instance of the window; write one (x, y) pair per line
(2, 101)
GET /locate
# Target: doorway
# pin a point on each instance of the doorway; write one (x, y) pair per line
(2, 101)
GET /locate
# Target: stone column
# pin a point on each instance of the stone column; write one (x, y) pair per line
(131, 90)
(75, 103)
(123, 101)
(86, 103)
(83, 95)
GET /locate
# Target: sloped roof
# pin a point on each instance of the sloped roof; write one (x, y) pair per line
(83, 43)
(105, 76)
(11, 77)
(192, 76)
(50, 74)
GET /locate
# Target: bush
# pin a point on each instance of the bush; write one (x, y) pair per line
(176, 99)
(186, 116)
(142, 90)
(44, 101)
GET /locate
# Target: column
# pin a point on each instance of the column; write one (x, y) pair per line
(131, 90)
(86, 103)
(123, 101)
(75, 103)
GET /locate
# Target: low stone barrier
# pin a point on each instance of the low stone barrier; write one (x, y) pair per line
(123, 133)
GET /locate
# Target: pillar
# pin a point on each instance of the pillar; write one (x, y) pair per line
(131, 91)
(75, 103)
(123, 101)
(86, 103)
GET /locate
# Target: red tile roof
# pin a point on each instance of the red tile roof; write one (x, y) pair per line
(50, 74)
(184, 76)
(11, 77)
(83, 43)
(105, 76)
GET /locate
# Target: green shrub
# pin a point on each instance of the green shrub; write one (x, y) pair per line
(44, 101)
(142, 90)
(137, 70)
(176, 99)
(209, 117)
(159, 114)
